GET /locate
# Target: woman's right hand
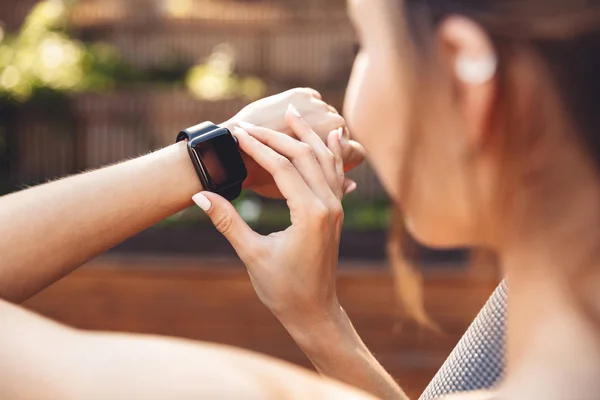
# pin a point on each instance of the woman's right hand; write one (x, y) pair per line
(293, 271)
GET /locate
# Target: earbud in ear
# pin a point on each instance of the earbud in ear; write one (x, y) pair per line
(476, 71)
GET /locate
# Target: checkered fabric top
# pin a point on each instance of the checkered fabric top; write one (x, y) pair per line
(477, 361)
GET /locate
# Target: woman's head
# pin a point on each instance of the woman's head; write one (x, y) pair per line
(471, 111)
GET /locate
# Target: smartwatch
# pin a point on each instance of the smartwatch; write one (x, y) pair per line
(216, 157)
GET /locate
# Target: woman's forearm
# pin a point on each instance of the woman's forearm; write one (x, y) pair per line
(49, 230)
(337, 351)
(43, 359)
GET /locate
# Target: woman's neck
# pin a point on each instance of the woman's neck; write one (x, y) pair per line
(553, 340)
(553, 269)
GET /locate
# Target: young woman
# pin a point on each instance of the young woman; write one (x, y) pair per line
(479, 117)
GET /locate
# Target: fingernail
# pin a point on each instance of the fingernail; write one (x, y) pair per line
(351, 188)
(340, 133)
(294, 110)
(201, 201)
(346, 133)
(246, 125)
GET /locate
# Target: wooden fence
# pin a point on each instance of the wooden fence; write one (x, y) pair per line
(314, 52)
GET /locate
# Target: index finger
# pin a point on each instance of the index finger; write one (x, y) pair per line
(287, 178)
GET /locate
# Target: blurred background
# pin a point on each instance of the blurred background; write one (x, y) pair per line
(85, 83)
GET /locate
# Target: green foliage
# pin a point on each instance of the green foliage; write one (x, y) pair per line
(41, 57)
(216, 80)
(104, 67)
(269, 214)
(359, 215)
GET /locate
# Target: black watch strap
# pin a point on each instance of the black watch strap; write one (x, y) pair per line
(196, 130)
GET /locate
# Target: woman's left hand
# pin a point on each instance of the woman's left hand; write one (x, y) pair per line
(270, 113)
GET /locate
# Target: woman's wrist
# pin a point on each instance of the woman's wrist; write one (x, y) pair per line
(181, 169)
(229, 124)
(315, 331)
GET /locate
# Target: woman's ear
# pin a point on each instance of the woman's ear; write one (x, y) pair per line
(472, 63)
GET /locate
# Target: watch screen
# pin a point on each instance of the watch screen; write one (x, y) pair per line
(221, 160)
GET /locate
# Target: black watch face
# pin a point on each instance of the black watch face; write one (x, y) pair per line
(220, 159)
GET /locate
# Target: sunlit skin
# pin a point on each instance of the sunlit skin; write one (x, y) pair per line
(440, 204)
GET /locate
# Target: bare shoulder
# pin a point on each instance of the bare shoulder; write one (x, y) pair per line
(479, 395)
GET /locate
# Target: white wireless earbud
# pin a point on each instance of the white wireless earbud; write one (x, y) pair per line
(476, 71)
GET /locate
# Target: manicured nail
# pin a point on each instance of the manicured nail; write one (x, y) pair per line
(340, 133)
(351, 188)
(294, 110)
(346, 133)
(201, 201)
(246, 125)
